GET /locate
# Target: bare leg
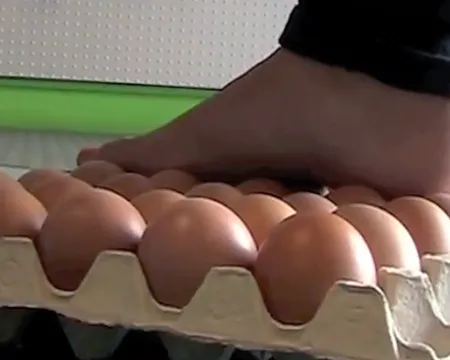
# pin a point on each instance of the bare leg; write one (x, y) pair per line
(295, 116)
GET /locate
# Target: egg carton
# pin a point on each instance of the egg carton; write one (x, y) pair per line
(405, 318)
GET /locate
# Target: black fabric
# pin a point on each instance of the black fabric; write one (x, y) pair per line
(395, 41)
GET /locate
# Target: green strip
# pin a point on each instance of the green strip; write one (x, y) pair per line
(91, 107)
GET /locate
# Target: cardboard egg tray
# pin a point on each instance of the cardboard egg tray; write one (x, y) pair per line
(405, 318)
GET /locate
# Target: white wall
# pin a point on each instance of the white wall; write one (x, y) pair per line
(200, 43)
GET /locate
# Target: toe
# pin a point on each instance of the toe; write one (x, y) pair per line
(86, 154)
(120, 152)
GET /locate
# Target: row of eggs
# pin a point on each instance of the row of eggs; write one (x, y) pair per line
(296, 244)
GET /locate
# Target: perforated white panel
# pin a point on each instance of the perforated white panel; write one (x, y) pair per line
(203, 43)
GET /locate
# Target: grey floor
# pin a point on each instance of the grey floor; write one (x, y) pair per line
(14, 172)
(20, 150)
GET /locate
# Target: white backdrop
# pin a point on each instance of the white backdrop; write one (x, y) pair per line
(199, 43)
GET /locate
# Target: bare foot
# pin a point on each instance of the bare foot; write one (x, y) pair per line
(294, 117)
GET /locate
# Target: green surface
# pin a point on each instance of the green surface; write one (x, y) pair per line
(91, 107)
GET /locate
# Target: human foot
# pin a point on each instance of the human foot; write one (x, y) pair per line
(292, 116)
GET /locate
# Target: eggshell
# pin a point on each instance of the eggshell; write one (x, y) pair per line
(33, 178)
(154, 203)
(175, 180)
(388, 240)
(7, 180)
(22, 214)
(54, 189)
(427, 223)
(442, 200)
(262, 186)
(81, 227)
(355, 194)
(223, 193)
(309, 202)
(261, 213)
(95, 172)
(86, 154)
(179, 250)
(303, 257)
(128, 185)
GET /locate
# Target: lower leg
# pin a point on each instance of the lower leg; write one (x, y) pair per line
(292, 115)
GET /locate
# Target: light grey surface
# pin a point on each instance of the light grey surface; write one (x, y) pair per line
(200, 43)
(34, 149)
(14, 172)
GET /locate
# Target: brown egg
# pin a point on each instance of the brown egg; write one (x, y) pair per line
(307, 202)
(442, 200)
(54, 189)
(175, 180)
(21, 213)
(262, 186)
(154, 203)
(388, 240)
(427, 223)
(355, 194)
(6, 180)
(223, 193)
(86, 154)
(261, 213)
(302, 259)
(80, 228)
(95, 172)
(35, 177)
(128, 185)
(179, 250)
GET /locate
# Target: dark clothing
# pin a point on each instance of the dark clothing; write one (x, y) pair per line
(395, 41)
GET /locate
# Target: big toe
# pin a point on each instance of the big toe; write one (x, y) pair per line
(116, 151)
(86, 154)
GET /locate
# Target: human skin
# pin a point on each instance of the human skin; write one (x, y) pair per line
(295, 117)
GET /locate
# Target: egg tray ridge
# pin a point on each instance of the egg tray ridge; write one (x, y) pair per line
(403, 319)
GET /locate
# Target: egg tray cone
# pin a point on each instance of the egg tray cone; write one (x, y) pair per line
(406, 318)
